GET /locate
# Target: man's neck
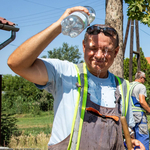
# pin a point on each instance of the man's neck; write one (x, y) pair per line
(138, 80)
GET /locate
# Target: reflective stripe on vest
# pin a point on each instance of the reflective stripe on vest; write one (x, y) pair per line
(135, 108)
(124, 85)
(78, 118)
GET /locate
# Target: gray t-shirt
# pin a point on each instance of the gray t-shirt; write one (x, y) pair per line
(139, 89)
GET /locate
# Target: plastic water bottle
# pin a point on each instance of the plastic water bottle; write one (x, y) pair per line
(76, 22)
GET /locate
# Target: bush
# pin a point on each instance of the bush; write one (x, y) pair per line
(21, 96)
(8, 127)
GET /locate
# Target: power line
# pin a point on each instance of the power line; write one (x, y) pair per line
(53, 14)
(47, 18)
(54, 9)
(43, 17)
(145, 32)
(39, 4)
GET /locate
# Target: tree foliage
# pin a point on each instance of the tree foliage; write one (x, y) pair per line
(8, 127)
(22, 96)
(145, 67)
(65, 52)
(139, 10)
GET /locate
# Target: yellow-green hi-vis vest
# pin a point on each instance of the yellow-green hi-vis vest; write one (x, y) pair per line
(78, 118)
(135, 108)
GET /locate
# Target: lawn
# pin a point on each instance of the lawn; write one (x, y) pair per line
(34, 130)
(35, 124)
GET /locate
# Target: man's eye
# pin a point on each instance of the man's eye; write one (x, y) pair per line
(93, 48)
(108, 49)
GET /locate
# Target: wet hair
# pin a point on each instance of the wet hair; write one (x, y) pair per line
(102, 25)
(139, 74)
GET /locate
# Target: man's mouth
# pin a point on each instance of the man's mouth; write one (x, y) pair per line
(99, 61)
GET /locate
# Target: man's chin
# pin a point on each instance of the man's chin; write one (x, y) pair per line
(98, 67)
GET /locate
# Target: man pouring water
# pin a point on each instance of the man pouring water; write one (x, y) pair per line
(88, 100)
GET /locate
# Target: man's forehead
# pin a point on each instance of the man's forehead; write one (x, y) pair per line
(95, 39)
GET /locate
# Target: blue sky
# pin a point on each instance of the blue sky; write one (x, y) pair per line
(32, 16)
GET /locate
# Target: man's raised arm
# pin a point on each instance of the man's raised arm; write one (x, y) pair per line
(23, 61)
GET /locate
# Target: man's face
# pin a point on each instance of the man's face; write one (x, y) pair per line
(99, 53)
(143, 79)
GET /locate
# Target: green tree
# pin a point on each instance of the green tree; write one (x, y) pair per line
(145, 67)
(65, 52)
(22, 96)
(8, 127)
(139, 10)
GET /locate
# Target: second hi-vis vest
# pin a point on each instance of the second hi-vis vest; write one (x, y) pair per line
(80, 107)
(134, 107)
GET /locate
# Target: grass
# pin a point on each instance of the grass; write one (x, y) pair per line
(148, 118)
(43, 119)
(35, 130)
(35, 124)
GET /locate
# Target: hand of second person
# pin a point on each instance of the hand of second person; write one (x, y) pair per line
(137, 144)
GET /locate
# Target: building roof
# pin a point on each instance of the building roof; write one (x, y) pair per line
(7, 25)
(148, 59)
(6, 22)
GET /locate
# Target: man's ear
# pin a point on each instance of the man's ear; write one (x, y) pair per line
(83, 46)
(116, 51)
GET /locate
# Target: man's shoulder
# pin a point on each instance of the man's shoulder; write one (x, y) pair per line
(57, 63)
(139, 86)
(121, 79)
(59, 67)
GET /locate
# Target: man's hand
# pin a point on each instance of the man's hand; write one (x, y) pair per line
(71, 10)
(138, 144)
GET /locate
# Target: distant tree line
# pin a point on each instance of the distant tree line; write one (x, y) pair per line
(21, 96)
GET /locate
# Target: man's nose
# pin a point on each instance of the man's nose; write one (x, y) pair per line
(99, 54)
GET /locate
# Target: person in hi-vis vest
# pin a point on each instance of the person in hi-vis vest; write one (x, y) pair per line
(88, 99)
(139, 108)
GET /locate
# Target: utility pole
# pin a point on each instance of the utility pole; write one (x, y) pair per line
(130, 25)
(138, 46)
(131, 51)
